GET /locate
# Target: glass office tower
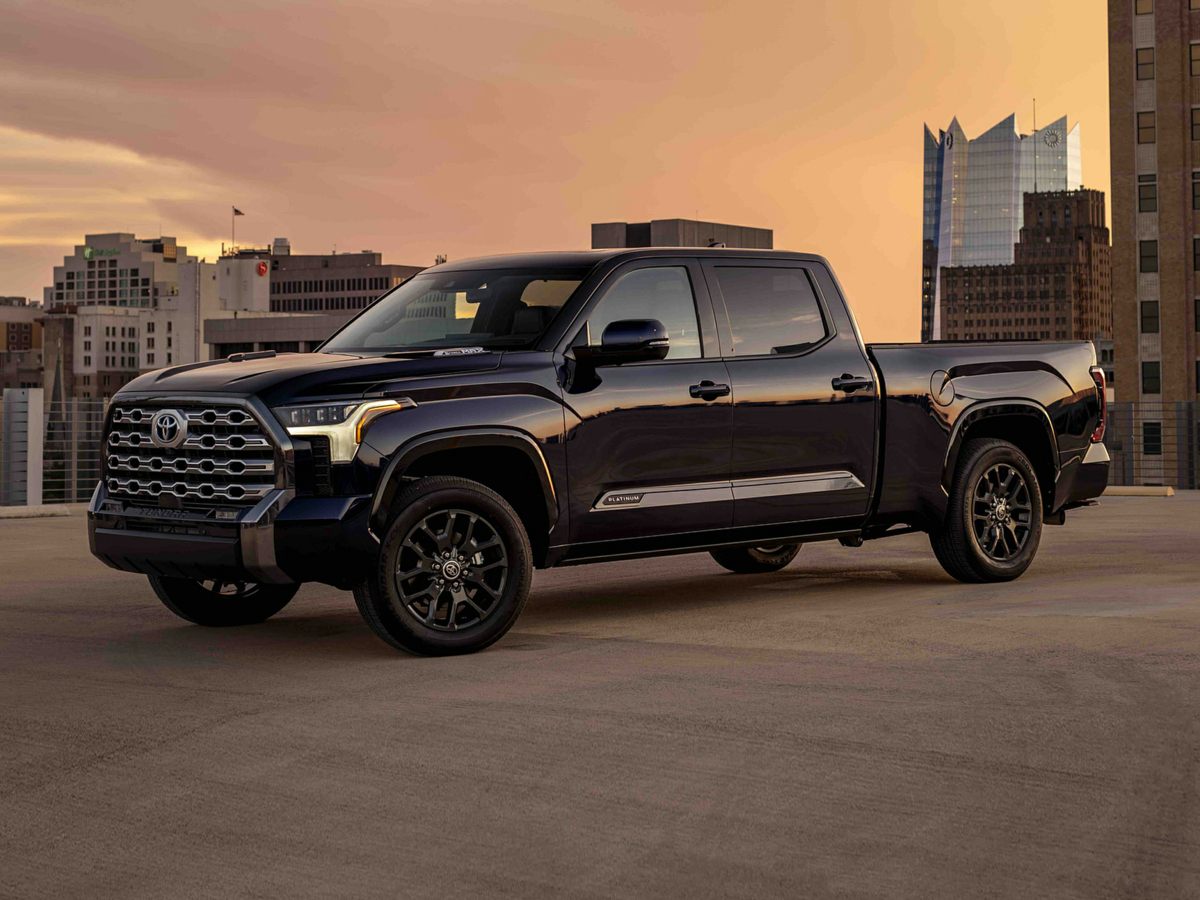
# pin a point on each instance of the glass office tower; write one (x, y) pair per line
(974, 196)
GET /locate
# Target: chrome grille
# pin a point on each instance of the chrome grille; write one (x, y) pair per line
(226, 458)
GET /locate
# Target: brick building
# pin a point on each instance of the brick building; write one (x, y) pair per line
(1154, 108)
(1059, 286)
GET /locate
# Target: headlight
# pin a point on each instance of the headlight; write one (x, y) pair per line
(344, 423)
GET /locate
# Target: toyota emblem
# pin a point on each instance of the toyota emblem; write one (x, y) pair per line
(168, 428)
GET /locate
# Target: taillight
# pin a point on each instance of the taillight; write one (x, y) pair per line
(1098, 377)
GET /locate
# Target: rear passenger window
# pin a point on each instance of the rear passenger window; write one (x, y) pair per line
(771, 310)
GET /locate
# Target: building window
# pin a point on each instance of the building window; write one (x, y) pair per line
(1145, 63)
(1149, 317)
(1196, 123)
(1152, 438)
(1147, 193)
(1148, 256)
(1196, 253)
(1146, 127)
(1151, 378)
(1143, 7)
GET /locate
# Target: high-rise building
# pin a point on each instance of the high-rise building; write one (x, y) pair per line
(973, 190)
(321, 282)
(679, 233)
(1154, 103)
(117, 270)
(120, 305)
(1059, 285)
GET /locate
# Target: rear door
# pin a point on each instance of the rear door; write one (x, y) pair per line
(804, 413)
(648, 453)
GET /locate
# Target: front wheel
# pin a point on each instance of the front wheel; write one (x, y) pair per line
(219, 604)
(993, 519)
(756, 560)
(454, 570)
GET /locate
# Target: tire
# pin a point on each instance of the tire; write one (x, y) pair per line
(756, 560)
(993, 522)
(413, 600)
(220, 604)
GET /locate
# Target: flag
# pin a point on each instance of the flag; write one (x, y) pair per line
(238, 212)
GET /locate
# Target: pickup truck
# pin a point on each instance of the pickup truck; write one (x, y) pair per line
(496, 415)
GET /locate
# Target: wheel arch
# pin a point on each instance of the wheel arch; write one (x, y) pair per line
(1023, 423)
(506, 460)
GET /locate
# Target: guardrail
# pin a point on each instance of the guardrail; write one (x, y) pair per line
(72, 449)
(1153, 443)
(51, 452)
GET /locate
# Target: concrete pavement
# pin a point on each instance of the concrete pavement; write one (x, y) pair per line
(858, 725)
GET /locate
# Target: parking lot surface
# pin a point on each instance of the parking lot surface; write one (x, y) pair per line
(858, 725)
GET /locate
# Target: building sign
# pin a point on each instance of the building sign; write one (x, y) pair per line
(93, 253)
(262, 269)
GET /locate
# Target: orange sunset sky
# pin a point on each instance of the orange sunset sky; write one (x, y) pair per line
(417, 128)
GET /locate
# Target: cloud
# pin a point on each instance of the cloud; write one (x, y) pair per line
(416, 127)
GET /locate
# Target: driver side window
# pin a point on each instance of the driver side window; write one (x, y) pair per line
(661, 292)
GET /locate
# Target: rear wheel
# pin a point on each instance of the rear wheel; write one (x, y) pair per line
(993, 519)
(454, 570)
(218, 604)
(751, 560)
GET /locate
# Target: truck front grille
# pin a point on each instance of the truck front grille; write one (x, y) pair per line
(224, 459)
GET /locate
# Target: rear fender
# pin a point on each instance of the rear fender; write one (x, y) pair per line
(991, 412)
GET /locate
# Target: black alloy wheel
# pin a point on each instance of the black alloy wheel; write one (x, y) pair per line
(1002, 512)
(756, 560)
(453, 572)
(452, 569)
(220, 603)
(993, 522)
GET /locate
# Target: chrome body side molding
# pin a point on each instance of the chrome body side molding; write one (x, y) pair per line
(721, 491)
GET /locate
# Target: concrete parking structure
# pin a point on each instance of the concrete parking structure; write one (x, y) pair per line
(856, 725)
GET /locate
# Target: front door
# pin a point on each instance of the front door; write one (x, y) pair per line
(648, 443)
(804, 435)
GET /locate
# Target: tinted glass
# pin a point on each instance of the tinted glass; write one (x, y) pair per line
(770, 310)
(663, 293)
(492, 308)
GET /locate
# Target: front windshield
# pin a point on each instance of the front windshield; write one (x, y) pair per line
(492, 308)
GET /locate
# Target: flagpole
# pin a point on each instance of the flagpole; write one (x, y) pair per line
(232, 227)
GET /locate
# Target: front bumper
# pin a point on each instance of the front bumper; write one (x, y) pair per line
(283, 539)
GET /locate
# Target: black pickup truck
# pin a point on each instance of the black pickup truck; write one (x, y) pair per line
(496, 415)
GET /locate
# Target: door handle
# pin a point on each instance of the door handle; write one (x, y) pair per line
(708, 390)
(848, 384)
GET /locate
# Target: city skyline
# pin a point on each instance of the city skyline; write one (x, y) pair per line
(974, 190)
(132, 122)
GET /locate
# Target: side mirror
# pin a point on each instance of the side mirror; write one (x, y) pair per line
(628, 341)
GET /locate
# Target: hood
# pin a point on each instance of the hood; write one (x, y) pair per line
(289, 377)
